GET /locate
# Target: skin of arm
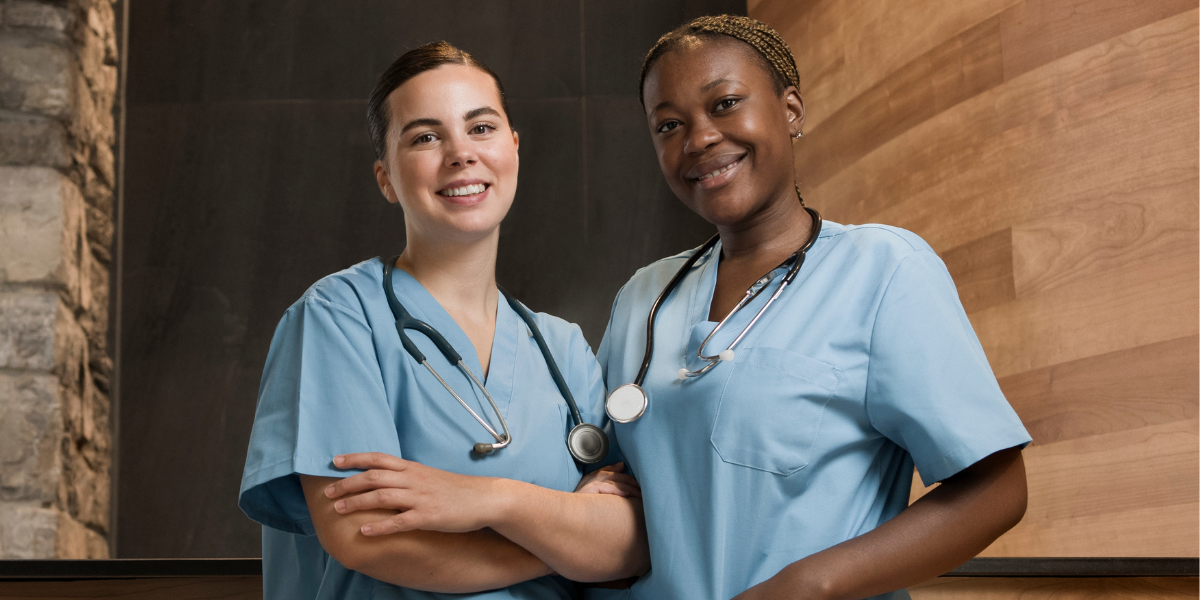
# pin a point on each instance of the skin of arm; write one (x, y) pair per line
(424, 560)
(581, 536)
(941, 530)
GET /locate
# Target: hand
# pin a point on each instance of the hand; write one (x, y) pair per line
(610, 480)
(428, 498)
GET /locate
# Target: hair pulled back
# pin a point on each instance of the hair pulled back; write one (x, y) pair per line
(765, 41)
(409, 65)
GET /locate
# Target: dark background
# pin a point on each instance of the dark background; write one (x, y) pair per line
(248, 177)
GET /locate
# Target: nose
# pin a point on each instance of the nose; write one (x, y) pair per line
(701, 136)
(460, 153)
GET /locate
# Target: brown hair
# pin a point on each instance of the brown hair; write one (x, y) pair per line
(409, 65)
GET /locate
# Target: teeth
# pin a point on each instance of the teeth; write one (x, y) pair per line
(465, 190)
(719, 171)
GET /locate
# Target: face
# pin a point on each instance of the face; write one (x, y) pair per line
(722, 132)
(451, 158)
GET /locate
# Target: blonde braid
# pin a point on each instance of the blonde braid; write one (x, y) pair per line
(758, 35)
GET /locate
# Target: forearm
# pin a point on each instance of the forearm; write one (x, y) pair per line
(942, 530)
(425, 560)
(584, 537)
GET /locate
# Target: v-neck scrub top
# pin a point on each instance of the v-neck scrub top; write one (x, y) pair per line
(865, 365)
(337, 380)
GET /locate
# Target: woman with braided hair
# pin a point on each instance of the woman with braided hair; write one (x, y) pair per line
(776, 449)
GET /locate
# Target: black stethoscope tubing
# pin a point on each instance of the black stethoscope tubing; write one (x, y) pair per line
(586, 442)
(796, 259)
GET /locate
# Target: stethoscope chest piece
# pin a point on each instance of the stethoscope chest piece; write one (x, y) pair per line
(626, 404)
(587, 443)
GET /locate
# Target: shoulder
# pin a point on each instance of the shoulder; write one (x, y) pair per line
(562, 336)
(875, 239)
(645, 284)
(346, 291)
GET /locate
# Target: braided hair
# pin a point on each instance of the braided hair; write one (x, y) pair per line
(768, 46)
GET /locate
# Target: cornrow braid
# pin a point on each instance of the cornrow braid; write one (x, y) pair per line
(766, 42)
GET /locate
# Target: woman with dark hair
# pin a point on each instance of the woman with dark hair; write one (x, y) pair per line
(392, 371)
(774, 388)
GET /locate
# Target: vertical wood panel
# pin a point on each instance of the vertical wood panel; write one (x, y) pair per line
(1047, 149)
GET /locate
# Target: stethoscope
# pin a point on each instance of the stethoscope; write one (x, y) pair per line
(628, 402)
(586, 442)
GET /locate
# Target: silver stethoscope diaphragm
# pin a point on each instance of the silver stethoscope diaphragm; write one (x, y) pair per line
(628, 402)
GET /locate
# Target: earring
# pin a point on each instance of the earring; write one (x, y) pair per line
(799, 134)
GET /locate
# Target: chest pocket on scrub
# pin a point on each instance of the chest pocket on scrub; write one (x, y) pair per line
(771, 409)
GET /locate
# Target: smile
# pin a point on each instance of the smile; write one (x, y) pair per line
(465, 190)
(717, 172)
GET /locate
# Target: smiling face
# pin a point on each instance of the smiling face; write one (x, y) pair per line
(722, 131)
(451, 158)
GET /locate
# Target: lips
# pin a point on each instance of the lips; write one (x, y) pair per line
(464, 187)
(715, 166)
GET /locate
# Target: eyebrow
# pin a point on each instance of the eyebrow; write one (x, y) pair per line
(708, 86)
(714, 83)
(483, 110)
(420, 122)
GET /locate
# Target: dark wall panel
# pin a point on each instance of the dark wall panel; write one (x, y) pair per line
(248, 177)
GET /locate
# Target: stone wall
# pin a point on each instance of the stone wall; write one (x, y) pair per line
(58, 82)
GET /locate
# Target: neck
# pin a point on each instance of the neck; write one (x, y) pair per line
(460, 276)
(772, 234)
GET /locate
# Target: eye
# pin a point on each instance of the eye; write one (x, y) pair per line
(668, 126)
(424, 138)
(482, 128)
(725, 104)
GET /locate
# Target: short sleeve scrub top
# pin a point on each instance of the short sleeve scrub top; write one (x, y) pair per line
(337, 380)
(865, 365)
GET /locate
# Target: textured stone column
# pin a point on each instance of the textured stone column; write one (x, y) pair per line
(58, 80)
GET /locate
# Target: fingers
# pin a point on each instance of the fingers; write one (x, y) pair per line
(407, 521)
(368, 480)
(387, 498)
(370, 460)
(613, 488)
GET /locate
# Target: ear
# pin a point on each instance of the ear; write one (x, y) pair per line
(385, 184)
(517, 146)
(795, 110)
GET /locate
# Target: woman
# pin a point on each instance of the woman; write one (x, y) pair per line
(340, 378)
(779, 466)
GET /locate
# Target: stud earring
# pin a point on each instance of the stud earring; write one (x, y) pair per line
(799, 134)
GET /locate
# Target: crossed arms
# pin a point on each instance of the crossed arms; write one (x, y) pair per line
(423, 528)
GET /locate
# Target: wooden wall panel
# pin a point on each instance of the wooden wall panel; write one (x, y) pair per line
(1048, 151)
(1057, 589)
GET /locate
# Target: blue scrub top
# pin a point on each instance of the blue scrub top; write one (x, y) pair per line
(864, 365)
(337, 380)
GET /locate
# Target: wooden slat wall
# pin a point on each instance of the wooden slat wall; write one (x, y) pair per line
(1047, 150)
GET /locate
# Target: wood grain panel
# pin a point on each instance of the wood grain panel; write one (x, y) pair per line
(185, 588)
(1039, 31)
(1054, 136)
(1128, 389)
(961, 67)
(983, 270)
(1069, 243)
(862, 41)
(1124, 307)
(1036, 588)
(1122, 533)
(1108, 473)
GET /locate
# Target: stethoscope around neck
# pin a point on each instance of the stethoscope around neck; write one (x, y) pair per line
(586, 442)
(628, 402)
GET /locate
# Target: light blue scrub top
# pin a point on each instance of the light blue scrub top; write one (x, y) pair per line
(337, 380)
(864, 365)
